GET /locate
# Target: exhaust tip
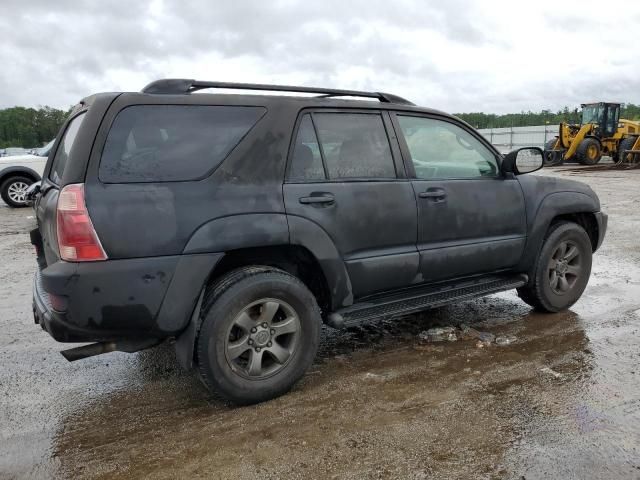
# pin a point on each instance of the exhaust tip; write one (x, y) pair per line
(93, 349)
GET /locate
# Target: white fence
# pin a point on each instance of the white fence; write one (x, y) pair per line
(510, 138)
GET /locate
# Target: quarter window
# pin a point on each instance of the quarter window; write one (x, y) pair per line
(64, 148)
(159, 143)
(306, 163)
(441, 149)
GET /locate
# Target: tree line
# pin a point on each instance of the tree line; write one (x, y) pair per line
(29, 127)
(629, 111)
(34, 127)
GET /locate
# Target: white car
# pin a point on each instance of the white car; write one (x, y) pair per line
(18, 172)
(15, 151)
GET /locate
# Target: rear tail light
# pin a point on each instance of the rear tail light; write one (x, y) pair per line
(77, 239)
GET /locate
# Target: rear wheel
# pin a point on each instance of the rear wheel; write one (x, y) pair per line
(260, 332)
(624, 145)
(14, 190)
(562, 270)
(552, 157)
(589, 151)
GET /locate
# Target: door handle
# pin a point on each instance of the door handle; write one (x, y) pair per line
(436, 194)
(323, 198)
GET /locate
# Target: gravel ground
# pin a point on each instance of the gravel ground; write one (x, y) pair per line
(562, 400)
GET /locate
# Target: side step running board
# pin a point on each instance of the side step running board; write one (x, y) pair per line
(417, 299)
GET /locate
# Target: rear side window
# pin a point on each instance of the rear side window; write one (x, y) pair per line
(306, 163)
(64, 147)
(163, 143)
(354, 145)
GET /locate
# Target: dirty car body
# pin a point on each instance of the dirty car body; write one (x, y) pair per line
(182, 191)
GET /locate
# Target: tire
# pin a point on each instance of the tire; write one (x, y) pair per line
(625, 144)
(589, 151)
(13, 190)
(552, 157)
(240, 360)
(546, 292)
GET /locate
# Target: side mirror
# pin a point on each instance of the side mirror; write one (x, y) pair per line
(32, 192)
(523, 160)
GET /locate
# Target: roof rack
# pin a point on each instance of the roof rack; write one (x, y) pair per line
(177, 86)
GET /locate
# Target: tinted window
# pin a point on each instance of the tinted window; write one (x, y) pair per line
(441, 149)
(155, 143)
(62, 153)
(355, 145)
(306, 163)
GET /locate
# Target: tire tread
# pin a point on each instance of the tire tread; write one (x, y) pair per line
(533, 294)
(215, 290)
(625, 144)
(581, 151)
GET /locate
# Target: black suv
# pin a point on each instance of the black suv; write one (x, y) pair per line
(237, 224)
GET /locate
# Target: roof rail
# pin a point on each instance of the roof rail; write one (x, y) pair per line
(177, 86)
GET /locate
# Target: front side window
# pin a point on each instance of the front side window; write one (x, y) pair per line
(160, 143)
(592, 114)
(441, 149)
(354, 145)
(64, 148)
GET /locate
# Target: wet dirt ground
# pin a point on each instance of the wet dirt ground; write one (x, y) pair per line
(561, 401)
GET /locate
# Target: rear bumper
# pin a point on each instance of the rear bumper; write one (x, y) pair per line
(42, 313)
(602, 219)
(120, 299)
(55, 323)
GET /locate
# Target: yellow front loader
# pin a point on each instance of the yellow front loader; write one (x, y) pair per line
(601, 132)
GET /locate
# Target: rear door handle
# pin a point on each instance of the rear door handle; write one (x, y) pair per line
(436, 194)
(318, 198)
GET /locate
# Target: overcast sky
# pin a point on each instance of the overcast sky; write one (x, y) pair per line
(454, 55)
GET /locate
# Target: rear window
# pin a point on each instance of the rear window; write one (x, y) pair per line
(163, 143)
(62, 153)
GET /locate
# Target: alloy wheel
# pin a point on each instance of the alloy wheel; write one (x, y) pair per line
(262, 338)
(565, 267)
(17, 192)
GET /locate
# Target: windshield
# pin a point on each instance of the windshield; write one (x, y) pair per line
(592, 114)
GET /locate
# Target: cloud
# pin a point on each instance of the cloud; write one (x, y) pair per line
(458, 55)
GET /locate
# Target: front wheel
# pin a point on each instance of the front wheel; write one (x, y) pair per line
(589, 151)
(14, 191)
(260, 332)
(562, 270)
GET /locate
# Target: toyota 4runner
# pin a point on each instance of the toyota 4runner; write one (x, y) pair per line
(236, 224)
